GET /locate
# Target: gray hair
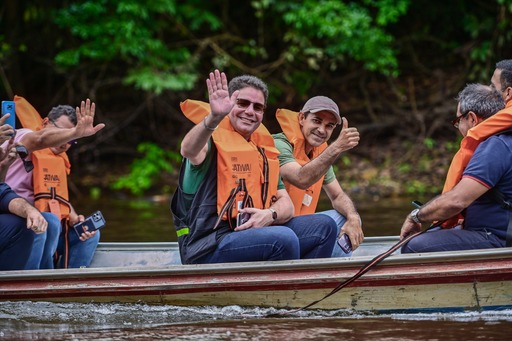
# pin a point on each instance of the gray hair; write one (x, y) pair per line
(62, 110)
(245, 81)
(481, 99)
(506, 72)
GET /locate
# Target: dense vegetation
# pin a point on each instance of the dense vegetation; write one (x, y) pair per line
(393, 66)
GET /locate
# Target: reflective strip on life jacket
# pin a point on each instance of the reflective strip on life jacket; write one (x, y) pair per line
(304, 200)
(247, 171)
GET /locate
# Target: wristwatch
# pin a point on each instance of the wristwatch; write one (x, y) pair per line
(274, 214)
(414, 216)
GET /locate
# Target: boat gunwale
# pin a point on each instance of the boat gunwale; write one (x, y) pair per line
(348, 264)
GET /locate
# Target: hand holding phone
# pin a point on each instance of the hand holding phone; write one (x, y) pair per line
(92, 223)
(9, 107)
(242, 218)
(345, 243)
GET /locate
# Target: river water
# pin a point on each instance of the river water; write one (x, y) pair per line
(149, 220)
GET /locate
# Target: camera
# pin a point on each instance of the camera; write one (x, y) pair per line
(242, 218)
(345, 244)
(92, 223)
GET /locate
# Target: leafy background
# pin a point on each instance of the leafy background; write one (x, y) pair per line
(393, 66)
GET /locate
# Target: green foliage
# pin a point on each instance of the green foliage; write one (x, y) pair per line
(145, 172)
(334, 30)
(133, 32)
(429, 143)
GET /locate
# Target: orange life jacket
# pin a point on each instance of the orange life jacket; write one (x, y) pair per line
(247, 171)
(498, 122)
(304, 200)
(50, 182)
(50, 170)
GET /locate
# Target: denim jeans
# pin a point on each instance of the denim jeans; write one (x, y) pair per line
(308, 236)
(45, 244)
(15, 242)
(451, 240)
(340, 221)
(80, 253)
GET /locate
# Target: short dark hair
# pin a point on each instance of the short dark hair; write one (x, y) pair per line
(483, 100)
(245, 81)
(61, 110)
(506, 72)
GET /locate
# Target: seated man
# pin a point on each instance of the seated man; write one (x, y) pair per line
(46, 159)
(18, 219)
(230, 169)
(467, 201)
(306, 163)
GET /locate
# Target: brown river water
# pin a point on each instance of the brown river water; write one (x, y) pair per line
(150, 220)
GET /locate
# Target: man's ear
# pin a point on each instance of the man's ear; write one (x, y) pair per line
(508, 94)
(45, 121)
(302, 117)
(474, 118)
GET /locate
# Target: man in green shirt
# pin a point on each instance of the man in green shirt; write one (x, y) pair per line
(306, 163)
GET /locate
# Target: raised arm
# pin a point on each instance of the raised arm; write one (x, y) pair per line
(194, 146)
(53, 136)
(305, 176)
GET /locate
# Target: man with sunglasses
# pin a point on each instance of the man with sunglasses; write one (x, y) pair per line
(45, 152)
(306, 164)
(467, 211)
(230, 204)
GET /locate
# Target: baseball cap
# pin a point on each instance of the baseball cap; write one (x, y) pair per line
(322, 103)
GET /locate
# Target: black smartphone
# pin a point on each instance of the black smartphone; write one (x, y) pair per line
(416, 203)
(345, 244)
(242, 218)
(9, 107)
(92, 223)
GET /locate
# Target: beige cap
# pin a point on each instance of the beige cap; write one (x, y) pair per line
(322, 103)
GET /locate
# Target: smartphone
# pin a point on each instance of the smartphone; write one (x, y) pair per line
(345, 244)
(416, 203)
(242, 218)
(9, 107)
(92, 223)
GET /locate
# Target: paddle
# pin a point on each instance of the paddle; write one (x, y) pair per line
(364, 269)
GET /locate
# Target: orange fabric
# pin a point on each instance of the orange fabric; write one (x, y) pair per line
(304, 200)
(27, 114)
(238, 158)
(51, 171)
(498, 122)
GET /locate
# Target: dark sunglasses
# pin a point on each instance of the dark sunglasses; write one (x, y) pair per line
(23, 153)
(456, 121)
(244, 104)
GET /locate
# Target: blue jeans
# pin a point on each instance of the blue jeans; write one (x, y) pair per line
(308, 236)
(15, 242)
(451, 240)
(80, 253)
(45, 244)
(340, 220)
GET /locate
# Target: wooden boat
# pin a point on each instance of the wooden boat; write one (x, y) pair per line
(150, 272)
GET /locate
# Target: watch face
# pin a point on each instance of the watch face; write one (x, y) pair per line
(274, 215)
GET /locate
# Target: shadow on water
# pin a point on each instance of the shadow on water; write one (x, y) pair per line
(144, 220)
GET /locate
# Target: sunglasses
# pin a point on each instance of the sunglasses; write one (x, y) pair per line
(456, 121)
(72, 142)
(23, 153)
(244, 104)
